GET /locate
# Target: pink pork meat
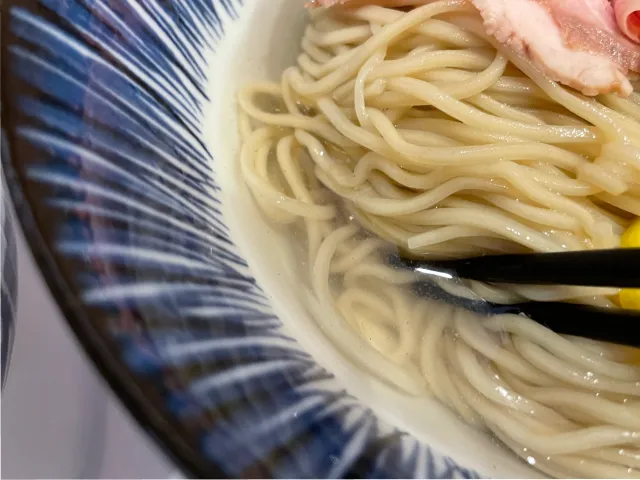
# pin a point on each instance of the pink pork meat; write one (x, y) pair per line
(579, 43)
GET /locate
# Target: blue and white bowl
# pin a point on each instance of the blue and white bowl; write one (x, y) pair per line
(120, 120)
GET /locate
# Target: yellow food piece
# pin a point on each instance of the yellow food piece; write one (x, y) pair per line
(630, 297)
(631, 238)
(628, 355)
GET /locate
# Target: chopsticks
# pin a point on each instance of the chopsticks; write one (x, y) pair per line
(591, 268)
(618, 268)
(613, 325)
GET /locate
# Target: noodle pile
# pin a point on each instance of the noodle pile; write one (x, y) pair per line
(410, 129)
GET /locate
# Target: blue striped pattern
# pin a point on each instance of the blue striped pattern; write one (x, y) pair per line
(8, 277)
(107, 127)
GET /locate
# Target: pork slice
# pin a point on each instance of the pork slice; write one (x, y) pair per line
(590, 25)
(627, 14)
(574, 42)
(568, 52)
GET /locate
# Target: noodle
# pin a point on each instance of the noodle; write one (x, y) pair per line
(412, 129)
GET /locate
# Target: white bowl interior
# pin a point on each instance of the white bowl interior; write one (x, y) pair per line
(259, 46)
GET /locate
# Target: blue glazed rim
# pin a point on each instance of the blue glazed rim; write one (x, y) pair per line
(110, 367)
(132, 391)
(57, 109)
(128, 388)
(8, 284)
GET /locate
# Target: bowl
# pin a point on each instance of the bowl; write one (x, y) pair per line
(120, 126)
(8, 287)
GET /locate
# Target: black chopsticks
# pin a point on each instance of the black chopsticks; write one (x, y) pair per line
(619, 268)
(614, 325)
(590, 268)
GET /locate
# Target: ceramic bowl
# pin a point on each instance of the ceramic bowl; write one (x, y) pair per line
(121, 161)
(8, 285)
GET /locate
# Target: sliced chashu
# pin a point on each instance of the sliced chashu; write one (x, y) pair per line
(575, 42)
(628, 17)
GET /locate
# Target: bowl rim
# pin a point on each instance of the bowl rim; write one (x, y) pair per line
(114, 371)
(122, 381)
